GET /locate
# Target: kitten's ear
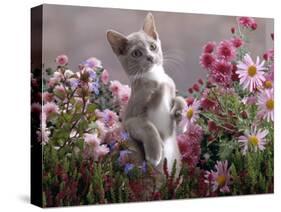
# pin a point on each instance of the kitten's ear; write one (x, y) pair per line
(149, 26)
(117, 41)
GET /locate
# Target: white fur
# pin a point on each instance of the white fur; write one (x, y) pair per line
(171, 152)
(158, 74)
(161, 116)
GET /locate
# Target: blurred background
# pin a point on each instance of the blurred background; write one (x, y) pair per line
(80, 33)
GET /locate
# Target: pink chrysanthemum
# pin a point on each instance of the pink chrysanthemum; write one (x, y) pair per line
(209, 47)
(189, 145)
(226, 50)
(189, 100)
(266, 105)
(251, 74)
(196, 87)
(220, 178)
(234, 76)
(269, 55)
(221, 72)
(253, 140)
(248, 22)
(208, 104)
(237, 42)
(206, 60)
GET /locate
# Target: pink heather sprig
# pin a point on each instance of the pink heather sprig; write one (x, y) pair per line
(108, 117)
(105, 77)
(121, 94)
(109, 127)
(47, 97)
(49, 109)
(93, 148)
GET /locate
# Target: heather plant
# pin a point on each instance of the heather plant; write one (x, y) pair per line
(225, 136)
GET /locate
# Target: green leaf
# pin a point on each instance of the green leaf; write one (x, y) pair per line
(91, 108)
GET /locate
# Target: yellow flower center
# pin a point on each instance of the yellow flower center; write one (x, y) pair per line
(221, 180)
(252, 70)
(270, 104)
(253, 140)
(268, 84)
(189, 113)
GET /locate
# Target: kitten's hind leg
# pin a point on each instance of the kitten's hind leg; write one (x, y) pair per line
(144, 131)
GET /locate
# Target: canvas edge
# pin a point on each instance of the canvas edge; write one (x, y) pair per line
(36, 21)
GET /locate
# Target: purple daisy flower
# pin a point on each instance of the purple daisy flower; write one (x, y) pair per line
(95, 87)
(128, 167)
(74, 83)
(144, 167)
(123, 157)
(92, 62)
(93, 74)
(124, 135)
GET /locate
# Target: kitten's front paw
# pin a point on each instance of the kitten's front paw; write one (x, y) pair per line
(178, 115)
(177, 108)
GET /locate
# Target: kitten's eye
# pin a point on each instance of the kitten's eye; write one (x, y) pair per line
(136, 53)
(153, 47)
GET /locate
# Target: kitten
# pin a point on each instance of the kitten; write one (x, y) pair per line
(153, 109)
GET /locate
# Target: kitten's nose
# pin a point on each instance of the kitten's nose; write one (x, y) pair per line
(149, 58)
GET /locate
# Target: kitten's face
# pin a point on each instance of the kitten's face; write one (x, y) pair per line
(139, 51)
